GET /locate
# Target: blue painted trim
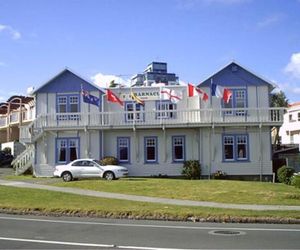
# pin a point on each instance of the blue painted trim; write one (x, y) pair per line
(234, 102)
(68, 96)
(235, 148)
(67, 148)
(100, 145)
(173, 149)
(128, 150)
(145, 150)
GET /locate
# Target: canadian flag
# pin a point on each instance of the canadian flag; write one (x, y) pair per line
(111, 97)
(194, 91)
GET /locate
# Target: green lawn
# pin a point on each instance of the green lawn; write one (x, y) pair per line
(241, 192)
(32, 200)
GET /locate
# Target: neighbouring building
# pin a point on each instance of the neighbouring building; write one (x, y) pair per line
(154, 137)
(290, 130)
(15, 112)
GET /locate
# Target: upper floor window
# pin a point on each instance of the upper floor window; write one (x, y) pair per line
(165, 109)
(68, 104)
(123, 144)
(150, 149)
(134, 112)
(291, 118)
(235, 147)
(298, 116)
(237, 100)
(178, 148)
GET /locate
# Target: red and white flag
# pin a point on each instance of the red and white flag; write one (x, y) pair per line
(170, 94)
(111, 97)
(221, 92)
(194, 91)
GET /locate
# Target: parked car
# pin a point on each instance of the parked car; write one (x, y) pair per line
(5, 159)
(87, 168)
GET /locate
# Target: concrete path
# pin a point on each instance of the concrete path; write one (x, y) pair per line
(148, 199)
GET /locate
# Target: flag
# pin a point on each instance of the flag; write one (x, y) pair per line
(170, 94)
(135, 98)
(88, 98)
(111, 97)
(194, 91)
(221, 92)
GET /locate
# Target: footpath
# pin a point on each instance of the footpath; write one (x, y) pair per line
(85, 192)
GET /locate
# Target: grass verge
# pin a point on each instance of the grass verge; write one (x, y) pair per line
(23, 200)
(224, 191)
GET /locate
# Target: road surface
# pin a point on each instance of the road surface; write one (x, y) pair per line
(37, 232)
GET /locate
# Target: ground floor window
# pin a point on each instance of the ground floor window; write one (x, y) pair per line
(67, 149)
(235, 147)
(150, 149)
(123, 144)
(178, 148)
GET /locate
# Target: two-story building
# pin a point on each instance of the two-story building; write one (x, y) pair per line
(157, 136)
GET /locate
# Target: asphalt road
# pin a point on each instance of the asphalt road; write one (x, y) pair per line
(34, 232)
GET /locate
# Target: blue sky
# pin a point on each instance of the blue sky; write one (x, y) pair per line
(101, 38)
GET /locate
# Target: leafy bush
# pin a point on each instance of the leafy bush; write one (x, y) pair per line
(220, 175)
(191, 169)
(295, 180)
(7, 150)
(109, 160)
(284, 174)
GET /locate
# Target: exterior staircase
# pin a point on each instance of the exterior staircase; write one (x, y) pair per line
(24, 161)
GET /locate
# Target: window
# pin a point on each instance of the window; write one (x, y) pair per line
(298, 117)
(235, 148)
(165, 110)
(134, 112)
(67, 149)
(178, 148)
(123, 145)
(290, 118)
(237, 100)
(68, 104)
(150, 149)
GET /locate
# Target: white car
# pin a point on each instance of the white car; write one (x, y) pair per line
(87, 168)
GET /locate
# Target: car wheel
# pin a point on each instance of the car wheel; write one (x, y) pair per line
(109, 176)
(67, 176)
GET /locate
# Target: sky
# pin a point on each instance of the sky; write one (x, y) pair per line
(104, 39)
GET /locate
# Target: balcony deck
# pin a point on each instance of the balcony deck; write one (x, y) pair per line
(155, 119)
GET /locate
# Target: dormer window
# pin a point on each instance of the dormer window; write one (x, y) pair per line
(238, 101)
(68, 104)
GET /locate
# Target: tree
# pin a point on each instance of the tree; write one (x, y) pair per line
(278, 100)
(112, 84)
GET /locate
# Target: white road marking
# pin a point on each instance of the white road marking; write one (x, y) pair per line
(151, 226)
(58, 242)
(86, 244)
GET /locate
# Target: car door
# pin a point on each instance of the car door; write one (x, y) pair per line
(93, 169)
(77, 168)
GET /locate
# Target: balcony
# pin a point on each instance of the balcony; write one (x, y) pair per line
(13, 119)
(153, 119)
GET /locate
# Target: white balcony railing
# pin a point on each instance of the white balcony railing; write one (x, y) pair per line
(171, 118)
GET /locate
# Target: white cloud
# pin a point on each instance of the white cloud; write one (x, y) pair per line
(14, 34)
(2, 99)
(270, 20)
(103, 80)
(293, 67)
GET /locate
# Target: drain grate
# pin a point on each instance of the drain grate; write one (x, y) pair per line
(226, 232)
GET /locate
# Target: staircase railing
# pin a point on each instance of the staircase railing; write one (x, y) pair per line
(24, 161)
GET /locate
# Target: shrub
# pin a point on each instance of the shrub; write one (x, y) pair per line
(284, 174)
(109, 160)
(191, 169)
(7, 150)
(220, 175)
(295, 180)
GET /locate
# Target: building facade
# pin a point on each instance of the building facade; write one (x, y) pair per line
(290, 129)
(156, 137)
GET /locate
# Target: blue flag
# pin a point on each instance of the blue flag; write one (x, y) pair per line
(88, 98)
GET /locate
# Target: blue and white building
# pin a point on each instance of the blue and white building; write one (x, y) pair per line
(157, 137)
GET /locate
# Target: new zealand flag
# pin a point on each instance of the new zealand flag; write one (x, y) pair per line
(90, 98)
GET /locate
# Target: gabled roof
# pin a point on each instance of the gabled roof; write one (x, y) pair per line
(272, 84)
(61, 73)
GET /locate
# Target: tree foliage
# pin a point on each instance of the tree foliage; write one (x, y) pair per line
(279, 100)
